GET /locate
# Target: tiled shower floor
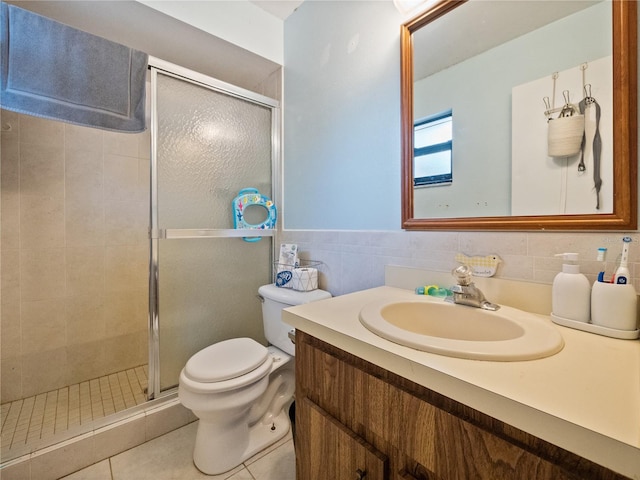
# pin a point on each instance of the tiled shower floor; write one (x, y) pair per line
(31, 421)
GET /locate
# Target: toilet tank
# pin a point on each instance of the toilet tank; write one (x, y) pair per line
(274, 299)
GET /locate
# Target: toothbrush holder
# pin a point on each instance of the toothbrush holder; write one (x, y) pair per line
(614, 306)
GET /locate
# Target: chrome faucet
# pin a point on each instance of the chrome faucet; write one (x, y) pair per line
(466, 293)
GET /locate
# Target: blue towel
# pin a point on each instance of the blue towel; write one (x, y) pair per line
(54, 71)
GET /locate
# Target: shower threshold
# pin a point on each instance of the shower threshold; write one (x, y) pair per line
(30, 422)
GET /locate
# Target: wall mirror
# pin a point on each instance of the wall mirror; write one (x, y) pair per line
(494, 78)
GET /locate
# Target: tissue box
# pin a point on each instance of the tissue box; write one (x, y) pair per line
(304, 279)
(288, 261)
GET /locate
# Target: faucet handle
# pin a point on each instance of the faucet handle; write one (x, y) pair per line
(462, 274)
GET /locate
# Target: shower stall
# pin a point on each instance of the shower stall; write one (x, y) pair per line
(119, 257)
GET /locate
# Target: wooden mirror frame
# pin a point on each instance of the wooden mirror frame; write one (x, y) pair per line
(625, 134)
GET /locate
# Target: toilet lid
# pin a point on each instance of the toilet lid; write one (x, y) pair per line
(225, 360)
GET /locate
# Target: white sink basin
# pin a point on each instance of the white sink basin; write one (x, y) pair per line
(436, 326)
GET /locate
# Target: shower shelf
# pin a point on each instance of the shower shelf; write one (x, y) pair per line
(182, 233)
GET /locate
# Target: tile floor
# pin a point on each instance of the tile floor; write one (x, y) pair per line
(29, 421)
(169, 457)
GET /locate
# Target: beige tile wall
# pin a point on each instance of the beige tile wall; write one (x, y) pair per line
(75, 204)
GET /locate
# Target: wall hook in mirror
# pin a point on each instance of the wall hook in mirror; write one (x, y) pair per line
(6, 127)
(584, 67)
(547, 111)
(554, 76)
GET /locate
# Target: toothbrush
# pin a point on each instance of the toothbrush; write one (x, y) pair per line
(622, 273)
(602, 253)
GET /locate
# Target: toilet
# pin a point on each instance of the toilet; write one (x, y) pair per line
(241, 390)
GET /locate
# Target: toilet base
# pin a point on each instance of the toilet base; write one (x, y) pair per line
(261, 436)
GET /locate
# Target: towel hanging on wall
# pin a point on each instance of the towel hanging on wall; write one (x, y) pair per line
(55, 71)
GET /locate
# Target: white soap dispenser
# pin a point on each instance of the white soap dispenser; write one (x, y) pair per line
(571, 292)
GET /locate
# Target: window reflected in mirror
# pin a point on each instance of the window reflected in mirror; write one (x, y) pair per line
(432, 150)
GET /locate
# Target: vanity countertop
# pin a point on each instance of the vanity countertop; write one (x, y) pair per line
(585, 399)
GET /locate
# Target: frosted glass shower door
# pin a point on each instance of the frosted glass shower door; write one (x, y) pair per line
(208, 145)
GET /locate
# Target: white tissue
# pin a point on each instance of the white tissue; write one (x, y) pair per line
(304, 279)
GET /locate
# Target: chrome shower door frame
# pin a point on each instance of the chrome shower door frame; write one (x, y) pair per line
(158, 66)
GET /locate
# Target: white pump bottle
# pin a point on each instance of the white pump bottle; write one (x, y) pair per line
(571, 292)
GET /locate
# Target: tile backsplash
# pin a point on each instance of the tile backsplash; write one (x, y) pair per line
(355, 260)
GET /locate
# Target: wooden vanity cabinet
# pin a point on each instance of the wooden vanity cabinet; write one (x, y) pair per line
(355, 420)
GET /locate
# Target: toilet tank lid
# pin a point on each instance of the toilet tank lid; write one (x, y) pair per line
(289, 296)
(226, 360)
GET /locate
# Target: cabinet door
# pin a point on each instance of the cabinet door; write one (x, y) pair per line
(326, 449)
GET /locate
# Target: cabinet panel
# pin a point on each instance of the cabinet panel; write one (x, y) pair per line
(329, 450)
(424, 434)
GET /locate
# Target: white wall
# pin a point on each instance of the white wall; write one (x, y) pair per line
(342, 116)
(239, 22)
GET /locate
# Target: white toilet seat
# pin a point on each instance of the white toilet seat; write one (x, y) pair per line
(225, 360)
(227, 365)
